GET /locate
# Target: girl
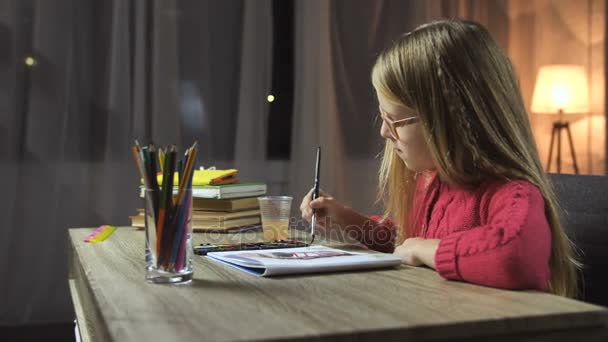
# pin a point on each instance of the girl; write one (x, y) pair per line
(460, 177)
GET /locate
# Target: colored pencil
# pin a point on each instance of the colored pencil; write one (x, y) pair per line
(171, 217)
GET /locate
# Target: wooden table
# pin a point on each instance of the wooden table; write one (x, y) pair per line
(114, 303)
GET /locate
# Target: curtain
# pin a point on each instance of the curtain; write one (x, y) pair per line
(315, 119)
(256, 61)
(72, 128)
(105, 72)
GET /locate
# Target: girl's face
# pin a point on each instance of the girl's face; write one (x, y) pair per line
(405, 133)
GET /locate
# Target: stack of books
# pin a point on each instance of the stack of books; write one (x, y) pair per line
(221, 208)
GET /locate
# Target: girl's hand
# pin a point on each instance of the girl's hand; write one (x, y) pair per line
(328, 210)
(418, 251)
(335, 218)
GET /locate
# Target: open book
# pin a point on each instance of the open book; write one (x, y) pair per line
(312, 259)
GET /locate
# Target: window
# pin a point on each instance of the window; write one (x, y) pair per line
(281, 107)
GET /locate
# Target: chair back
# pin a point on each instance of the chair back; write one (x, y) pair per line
(584, 204)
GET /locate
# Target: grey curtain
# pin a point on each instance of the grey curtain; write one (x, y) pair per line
(106, 72)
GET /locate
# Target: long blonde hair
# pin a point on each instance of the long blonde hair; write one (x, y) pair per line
(473, 118)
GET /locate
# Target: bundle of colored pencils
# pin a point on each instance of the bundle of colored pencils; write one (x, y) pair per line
(170, 215)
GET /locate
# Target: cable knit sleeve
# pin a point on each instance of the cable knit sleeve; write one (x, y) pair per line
(511, 250)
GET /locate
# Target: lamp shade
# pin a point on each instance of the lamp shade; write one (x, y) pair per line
(561, 87)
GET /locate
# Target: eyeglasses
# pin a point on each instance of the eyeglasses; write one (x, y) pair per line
(394, 124)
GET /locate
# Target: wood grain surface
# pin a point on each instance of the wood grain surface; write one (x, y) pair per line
(223, 303)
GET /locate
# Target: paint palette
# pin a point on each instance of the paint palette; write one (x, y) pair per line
(203, 249)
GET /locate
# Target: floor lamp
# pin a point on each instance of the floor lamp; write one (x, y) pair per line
(561, 90)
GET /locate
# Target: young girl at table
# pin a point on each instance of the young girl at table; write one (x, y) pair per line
(463, 187)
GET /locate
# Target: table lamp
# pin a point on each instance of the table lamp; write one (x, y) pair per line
(561, 89)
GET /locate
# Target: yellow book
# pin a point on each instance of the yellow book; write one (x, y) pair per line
(207, 177)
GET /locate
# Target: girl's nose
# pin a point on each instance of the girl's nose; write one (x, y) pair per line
(384, 131)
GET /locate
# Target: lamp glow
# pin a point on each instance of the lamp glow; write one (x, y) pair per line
(562, 88)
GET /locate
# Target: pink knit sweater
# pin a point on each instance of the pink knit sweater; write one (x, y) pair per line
(496, 235)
